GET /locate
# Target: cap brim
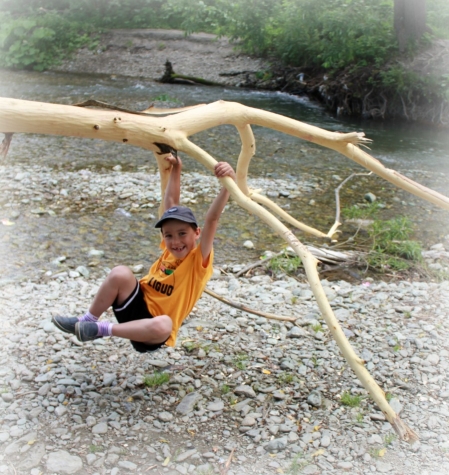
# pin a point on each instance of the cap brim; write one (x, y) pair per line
(179, 218)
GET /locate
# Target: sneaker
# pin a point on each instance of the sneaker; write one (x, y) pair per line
(65, 324)
(86, 331)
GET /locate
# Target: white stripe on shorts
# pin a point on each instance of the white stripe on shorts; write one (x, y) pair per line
(130, 300)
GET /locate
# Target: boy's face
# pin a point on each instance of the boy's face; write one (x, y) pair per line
(179, 237)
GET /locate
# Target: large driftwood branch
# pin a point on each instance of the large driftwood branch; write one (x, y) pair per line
(173, 130)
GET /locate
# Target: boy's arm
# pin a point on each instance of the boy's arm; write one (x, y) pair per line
(222, 169)
(173, 190)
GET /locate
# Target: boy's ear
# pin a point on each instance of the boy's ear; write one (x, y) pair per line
(197, 232)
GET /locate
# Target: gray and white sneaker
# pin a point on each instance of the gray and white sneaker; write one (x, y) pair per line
(86, 331)
(65, 324)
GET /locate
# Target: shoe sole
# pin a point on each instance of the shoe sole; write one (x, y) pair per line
(77, 332)
(57, 325)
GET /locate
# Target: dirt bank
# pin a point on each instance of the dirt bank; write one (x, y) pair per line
(143, 53)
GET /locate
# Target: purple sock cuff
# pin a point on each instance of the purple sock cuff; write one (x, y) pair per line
(104, 328)
(88, 317)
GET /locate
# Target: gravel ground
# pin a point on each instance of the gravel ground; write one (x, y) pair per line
(242, 395)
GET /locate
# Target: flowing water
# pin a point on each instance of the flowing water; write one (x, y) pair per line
(32, 243)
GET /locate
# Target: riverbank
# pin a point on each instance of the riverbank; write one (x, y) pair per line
(143, 53)
(256, 396)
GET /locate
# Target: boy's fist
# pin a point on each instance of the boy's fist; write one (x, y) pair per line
(223, 169)
(174, 161)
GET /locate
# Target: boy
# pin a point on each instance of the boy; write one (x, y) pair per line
(151, 311)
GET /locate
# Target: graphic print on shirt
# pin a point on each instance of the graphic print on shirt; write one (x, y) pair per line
(165, 268)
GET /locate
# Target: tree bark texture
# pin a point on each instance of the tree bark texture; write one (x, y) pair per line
(409, 21)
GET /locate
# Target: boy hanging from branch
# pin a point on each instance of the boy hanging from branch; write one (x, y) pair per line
(150, 311)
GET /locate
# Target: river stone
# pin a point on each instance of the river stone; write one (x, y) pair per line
(296, 332)
(216, 405)
(396, 405)
(109, 378)
(127, 465)
(101, 428)
(185, 455)
(248, 421)
(383, 467)
(366, 355)
(188, 403)
(33, 457)
(370, 197)
(165, 416)
(62, 462)
(158, 363)
(276, 445)
(240, 405)
(7, 397)
(96, 253)
(315, 399)
(17, 445)
(244, 390)
(310, 470)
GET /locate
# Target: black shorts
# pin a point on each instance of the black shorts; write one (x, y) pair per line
(135, 308)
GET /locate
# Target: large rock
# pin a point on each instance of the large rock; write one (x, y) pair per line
(188, 403)
(62, 462)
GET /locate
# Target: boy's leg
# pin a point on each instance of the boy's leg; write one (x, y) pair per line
(135, 321)
(149, 330)
(116, 288)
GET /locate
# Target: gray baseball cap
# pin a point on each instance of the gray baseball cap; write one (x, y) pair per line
(181, 213)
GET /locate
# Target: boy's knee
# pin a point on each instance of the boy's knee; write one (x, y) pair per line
(162, 325)
(121, 273)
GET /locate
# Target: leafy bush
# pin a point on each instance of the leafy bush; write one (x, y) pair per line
(361, 211)
(392, 248)
(38, 42)
(285, 262)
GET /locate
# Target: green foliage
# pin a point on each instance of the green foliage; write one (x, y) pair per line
(336, 33)
(329, 34)
(165, 98)
(225, 389)
(95, 448)
(240, 361)
(297, 464)
(38, 42)
(347, 399)
(391, 247)
(286, 378)
(189, 346)
(389, 439)
(285, 263)
(156, 379)
(438, 17)
(362, 211)
(392, 237)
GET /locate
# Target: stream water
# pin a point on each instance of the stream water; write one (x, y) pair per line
(418, 152)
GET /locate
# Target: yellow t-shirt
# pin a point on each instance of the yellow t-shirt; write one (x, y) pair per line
(173, 286)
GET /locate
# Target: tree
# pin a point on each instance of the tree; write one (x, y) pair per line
(409, 21)
(149, 130)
